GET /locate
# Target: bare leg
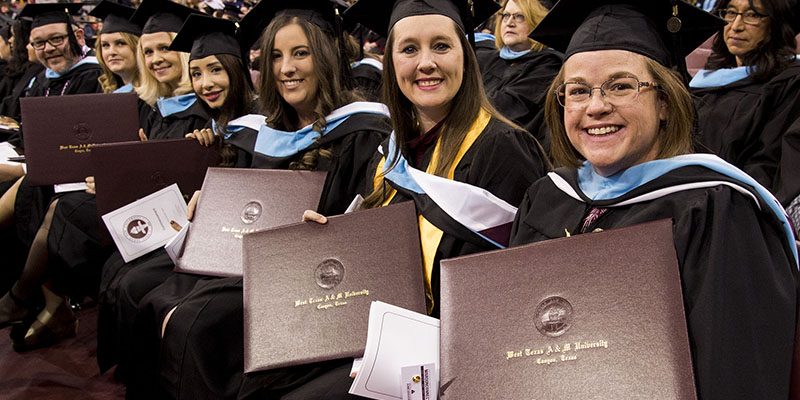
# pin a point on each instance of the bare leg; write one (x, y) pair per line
(27, 291)
(7, 204)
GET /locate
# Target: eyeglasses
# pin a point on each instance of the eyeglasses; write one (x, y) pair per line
(518, 18)
(749, 17)
(54, 41)
(617, 91)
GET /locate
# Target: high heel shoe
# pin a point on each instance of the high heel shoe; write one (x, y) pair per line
(13, 310)
(55, 322)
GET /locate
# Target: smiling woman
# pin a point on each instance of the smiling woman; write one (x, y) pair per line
(621, 121)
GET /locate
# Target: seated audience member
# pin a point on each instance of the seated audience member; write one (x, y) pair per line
(748, 95)
(516, 70)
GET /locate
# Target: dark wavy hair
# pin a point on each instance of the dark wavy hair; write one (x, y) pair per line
(773, 55)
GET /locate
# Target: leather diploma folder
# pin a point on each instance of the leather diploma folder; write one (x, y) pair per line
(308, 287)
(125, 172)
(236, 201)
(592, 316)
(59, 132)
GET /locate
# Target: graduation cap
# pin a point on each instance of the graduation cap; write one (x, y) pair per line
(321, 13)
(204, 36)
(50, 13)
(161, 16)
(116, 18)
(663, 30)
(232, 10)
(375, 15)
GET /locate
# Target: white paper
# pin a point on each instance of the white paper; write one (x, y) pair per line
(396, 338)
(144, 225)
(356, 366)
(70, 187)
(355, 204)
(420, 382)
(6, 151)
(174, 246)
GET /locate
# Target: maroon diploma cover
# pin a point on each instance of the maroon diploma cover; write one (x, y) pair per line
(592, 316)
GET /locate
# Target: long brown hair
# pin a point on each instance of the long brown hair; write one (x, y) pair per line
(674, 136)
(465, 107)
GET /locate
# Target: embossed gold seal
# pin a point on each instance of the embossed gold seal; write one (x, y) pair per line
(553, 316)
(251, 212)
(329, 273)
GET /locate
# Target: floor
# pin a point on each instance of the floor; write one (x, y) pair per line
(67, 370)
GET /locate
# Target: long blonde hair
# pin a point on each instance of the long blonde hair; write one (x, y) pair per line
(533, 11)
(109, 81)
(150, 89)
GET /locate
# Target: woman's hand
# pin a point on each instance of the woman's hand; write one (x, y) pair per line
(142, 136)
(192, 205)
(313, 216)
(90, 188)
(204, 136)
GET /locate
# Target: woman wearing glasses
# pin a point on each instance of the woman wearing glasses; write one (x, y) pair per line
(515, 69)
(621, 123)
(748, 95)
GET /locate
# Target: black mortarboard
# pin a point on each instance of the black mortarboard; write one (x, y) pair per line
(232, 10)
(319, 12)
(377, 16)
(50, 13)
(116, 18)
(204, 36)
(161, 16)
(663, 30)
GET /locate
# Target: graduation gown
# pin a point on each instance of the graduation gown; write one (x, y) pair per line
(737, 268)
(745, 122)
(500, 159)
(152, 268)
(10, 104)
(81, 79)
(516, 87)
(175, 122)
(352, 143)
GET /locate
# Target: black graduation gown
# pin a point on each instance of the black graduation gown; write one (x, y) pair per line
(504, 161)
(353, 143)
(10, 105)
(177, 125)
(737, 273)
(744, 122)
(152, 268)
(79, 80)
(517, 87)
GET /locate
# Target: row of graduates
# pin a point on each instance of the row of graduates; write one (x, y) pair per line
(160, 327)
(746, 97)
